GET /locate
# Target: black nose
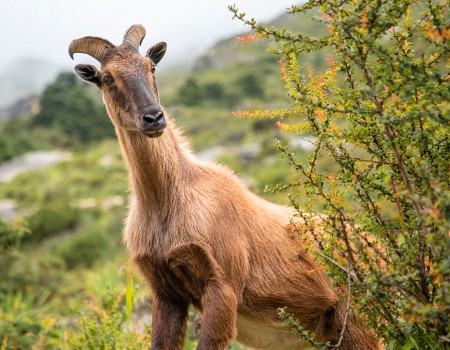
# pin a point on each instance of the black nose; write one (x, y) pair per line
(149, 118)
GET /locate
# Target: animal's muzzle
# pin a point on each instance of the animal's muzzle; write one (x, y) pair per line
(153, 123)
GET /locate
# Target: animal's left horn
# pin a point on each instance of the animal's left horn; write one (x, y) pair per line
(91, 45)
(134, 36)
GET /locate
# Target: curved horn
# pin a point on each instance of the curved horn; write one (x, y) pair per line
(91, 45)
(134, 36)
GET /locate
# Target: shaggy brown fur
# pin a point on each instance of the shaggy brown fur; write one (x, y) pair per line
(200, 237)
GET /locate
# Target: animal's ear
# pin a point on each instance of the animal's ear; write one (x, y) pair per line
(89, 73)
(156, 52)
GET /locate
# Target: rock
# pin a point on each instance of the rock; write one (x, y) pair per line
(8, 209)
(31, 161)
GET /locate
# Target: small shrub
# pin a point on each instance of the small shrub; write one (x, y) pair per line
(52, 218)
(25, 323)
(83, 249)
(104, 326)
(251, 85)
(11, 235)
(190, 93)
(213, 91)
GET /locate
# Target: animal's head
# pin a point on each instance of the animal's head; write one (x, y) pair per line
(126, 79)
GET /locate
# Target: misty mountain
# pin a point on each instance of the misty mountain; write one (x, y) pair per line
(25, 78)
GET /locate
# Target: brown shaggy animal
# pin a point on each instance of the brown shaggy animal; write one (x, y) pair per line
(198, 236)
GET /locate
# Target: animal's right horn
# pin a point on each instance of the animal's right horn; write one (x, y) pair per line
(134, 36)
(91, 45)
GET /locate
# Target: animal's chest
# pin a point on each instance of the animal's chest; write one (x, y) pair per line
(148, 234)
(163, 281)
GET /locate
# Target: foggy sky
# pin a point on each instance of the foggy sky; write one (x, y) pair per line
(44, 28)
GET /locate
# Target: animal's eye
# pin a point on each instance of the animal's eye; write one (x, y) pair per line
(108, 80)
(153, 69)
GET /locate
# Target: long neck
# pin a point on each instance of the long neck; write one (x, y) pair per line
(158, 167)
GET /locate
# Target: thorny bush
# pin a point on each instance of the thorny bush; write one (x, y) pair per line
(378, 176)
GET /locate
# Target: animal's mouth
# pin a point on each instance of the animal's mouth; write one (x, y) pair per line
(153, 134)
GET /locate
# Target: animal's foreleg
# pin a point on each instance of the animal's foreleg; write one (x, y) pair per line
(169, 317)
(219, 317)
(203, 278)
